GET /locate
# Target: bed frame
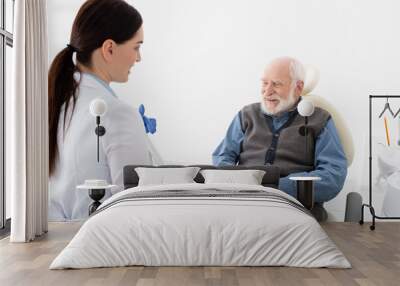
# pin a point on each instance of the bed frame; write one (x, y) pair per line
(270, 179)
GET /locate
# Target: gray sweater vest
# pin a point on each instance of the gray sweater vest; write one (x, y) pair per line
(285, 148)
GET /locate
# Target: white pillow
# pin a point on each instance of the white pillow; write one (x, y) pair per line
(165, 176)
(248, 177)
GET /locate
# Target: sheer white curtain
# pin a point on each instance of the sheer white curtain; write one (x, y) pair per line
(28, 124)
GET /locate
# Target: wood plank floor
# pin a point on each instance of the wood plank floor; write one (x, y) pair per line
(374, 255)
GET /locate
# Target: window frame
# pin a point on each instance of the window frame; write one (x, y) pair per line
(6, 39)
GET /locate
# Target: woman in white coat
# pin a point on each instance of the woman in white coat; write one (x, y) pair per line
(106, 37)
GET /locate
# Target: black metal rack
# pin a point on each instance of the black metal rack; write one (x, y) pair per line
(369, 205)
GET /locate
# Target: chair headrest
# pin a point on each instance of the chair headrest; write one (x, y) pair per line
(311, 80)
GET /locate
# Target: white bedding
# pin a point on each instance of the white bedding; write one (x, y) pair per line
(200, 231)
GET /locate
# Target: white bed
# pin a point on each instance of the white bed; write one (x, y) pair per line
(183, 230)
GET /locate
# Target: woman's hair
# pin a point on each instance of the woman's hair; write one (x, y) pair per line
(96, 21)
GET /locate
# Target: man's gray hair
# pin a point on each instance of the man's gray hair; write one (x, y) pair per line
(297, 71)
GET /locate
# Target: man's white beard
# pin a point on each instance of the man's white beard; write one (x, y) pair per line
(283, 105)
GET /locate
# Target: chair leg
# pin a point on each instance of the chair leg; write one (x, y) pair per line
(319, 212)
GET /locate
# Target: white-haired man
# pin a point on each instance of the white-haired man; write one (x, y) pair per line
(267, 132)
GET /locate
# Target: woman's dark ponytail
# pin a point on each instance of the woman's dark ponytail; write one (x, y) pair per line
(62, 87)
(96, 22)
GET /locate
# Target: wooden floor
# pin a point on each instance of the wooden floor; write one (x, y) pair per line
(374, 255)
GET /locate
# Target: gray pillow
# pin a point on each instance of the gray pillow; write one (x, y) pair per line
(248, 177)
(165, 176)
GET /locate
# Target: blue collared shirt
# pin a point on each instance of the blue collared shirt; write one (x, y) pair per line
(102, 82)
(330, 160)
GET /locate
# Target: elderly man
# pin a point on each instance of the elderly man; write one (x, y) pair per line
(267, 132)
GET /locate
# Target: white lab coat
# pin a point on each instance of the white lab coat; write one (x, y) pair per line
(124, 143)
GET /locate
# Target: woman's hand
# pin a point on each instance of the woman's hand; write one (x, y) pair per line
(150, 124)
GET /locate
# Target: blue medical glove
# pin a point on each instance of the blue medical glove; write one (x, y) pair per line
(150, 124)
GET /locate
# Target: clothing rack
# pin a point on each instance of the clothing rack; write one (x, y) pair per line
(369, 205)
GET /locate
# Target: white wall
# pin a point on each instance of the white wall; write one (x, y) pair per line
(202, 61)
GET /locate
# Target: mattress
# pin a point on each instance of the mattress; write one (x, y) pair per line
(201, 225)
